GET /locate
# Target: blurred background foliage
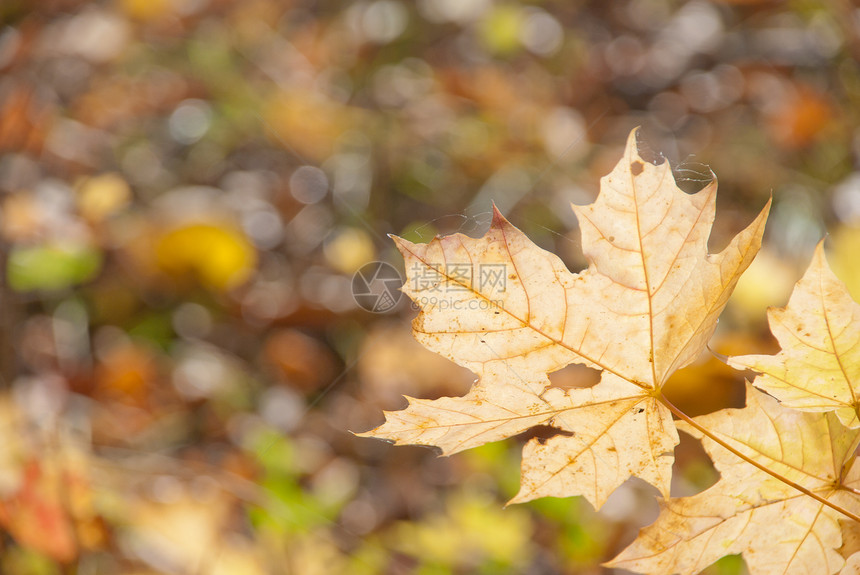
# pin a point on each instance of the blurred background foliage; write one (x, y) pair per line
(188, 186)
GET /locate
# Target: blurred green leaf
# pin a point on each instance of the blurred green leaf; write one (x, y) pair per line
(500, 32)
(51, 267)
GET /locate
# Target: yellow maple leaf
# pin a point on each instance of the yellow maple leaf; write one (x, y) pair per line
(777, 528)
(818, 368)
(512, 313)
(220, 256)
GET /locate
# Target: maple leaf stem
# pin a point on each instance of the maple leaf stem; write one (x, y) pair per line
(707, 433)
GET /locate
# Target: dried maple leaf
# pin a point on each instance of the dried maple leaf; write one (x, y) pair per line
(777, 528)
(512, 313)
(818, 368)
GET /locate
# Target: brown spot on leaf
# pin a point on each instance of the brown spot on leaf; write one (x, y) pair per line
(636, 168)
(543, 433)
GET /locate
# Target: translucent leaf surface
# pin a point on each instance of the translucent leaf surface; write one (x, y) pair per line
(512, 313)
(777, 528)
(818, 368)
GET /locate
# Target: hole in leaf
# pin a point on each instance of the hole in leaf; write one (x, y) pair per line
(693, 471)
(692, 176)
(705, 386)
(646, 152)
(727, 564)
(574, 376)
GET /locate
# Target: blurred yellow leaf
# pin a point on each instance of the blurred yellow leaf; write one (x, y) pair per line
(21, 217)
(500, 32)
(308, 123)
(188, 535)
(768, 279)
(349, 249)
(237, 560)
(845, 245)
(472, 529)
(219, 257)
(102, 196)
(147, 9)
(314, 553)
